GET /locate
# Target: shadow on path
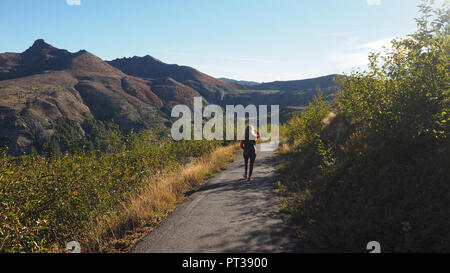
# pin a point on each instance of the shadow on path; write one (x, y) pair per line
(227, 215)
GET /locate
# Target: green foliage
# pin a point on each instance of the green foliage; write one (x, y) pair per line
(405, 93)
(304, 127)
(100, 135)
(71, 136)
(379, 169)
(49, 200)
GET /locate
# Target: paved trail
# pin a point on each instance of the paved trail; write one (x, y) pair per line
(227, 215)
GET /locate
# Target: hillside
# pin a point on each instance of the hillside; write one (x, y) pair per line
(225, 91)
(308, 84)
(283, 93)
(53, 100)
(373, 165)
(44, 84)
(148, 67)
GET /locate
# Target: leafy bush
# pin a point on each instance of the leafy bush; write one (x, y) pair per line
(383, 173)
(47, 201)
(310, 121)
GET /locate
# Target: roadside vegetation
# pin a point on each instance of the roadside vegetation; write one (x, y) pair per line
(99, 197)
(373, 164)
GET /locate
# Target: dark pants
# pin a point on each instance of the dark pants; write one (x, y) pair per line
(252, 158)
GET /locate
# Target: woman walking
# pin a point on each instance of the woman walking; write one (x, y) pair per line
(248, 145)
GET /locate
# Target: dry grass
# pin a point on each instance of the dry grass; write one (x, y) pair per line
(145, 210)
(284, 148)
(328, 119)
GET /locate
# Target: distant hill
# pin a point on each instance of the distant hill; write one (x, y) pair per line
(240, 82)
(210, 88)
(226, 91)
(50, 95)
(297, 85)
(308, 84)
(283, 93)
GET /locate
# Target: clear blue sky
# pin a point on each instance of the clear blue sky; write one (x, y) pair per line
(260, 40)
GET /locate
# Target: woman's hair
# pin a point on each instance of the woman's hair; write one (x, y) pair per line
(250, 130)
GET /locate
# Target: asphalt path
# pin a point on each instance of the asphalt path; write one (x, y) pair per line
(227, 215)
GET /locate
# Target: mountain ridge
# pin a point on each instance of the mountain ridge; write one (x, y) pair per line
(239, 81)
(45, 86)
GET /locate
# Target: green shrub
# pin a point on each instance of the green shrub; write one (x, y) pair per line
(48, 200)
(310, 121)
(390, 180)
